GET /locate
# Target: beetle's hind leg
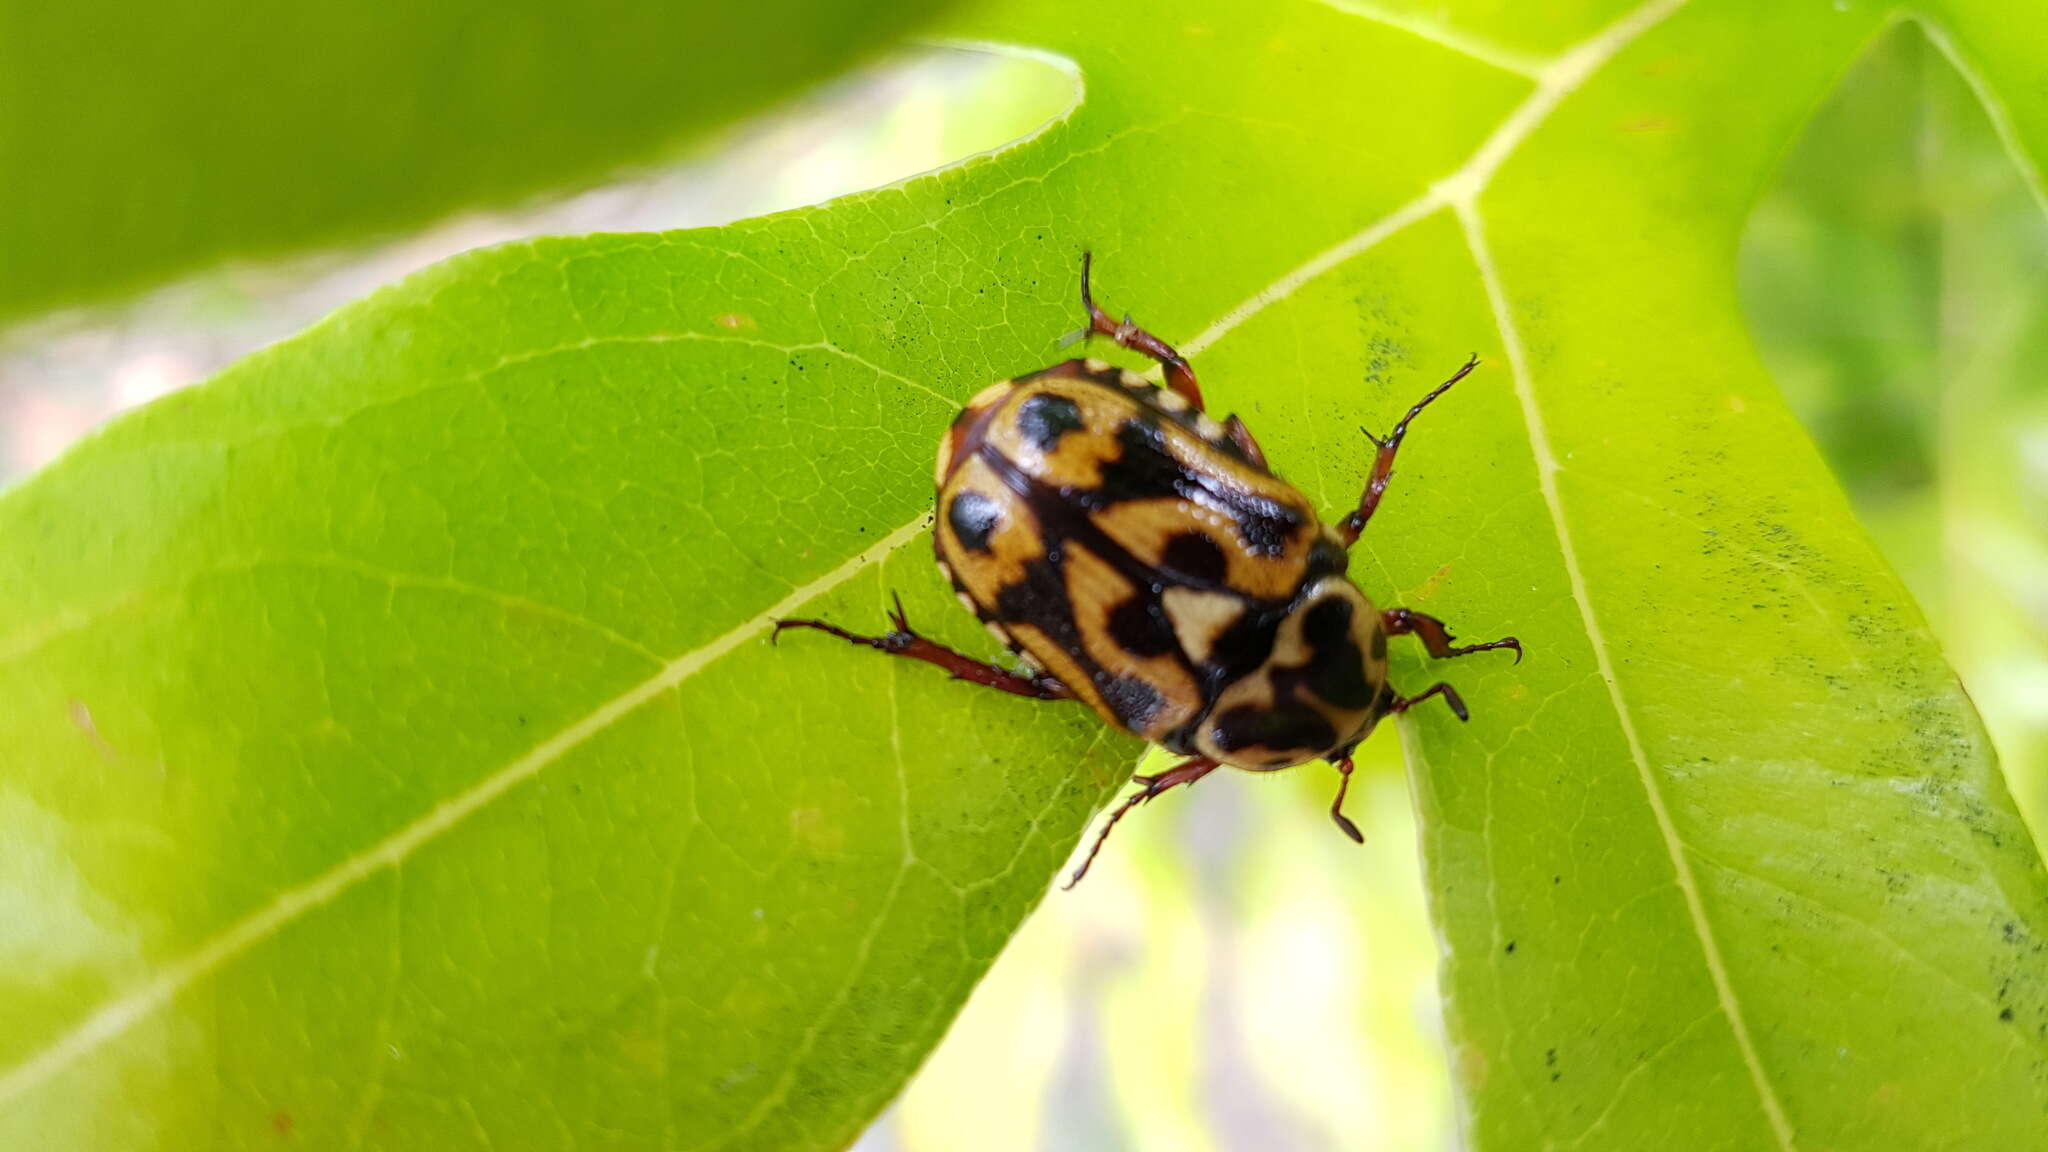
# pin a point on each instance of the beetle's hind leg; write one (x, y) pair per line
(1185, 772)
(1179, 376)
(1383, 460)
(1436, 637)
(902, 640)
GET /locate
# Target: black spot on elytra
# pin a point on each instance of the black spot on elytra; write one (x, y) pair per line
(1244, 645)
(1288, 724)
(1145, 470)
(1336, 668)
(1045, 417)
(974, 518)
(1379, 643)
(1140, 628)
(1134, 701)
(1195, 558)
(1040, 599)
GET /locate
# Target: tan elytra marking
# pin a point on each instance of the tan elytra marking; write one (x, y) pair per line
(1200, 618)
(1095, 588)
(1145, 528)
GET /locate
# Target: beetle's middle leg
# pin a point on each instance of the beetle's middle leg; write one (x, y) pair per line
(1185, 772)
(1383, 462)
(903, 641)
(1436, 637)
(1179, 376)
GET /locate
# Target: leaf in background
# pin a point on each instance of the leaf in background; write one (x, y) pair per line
(1897, 280)
(147, 141)
(399, 755)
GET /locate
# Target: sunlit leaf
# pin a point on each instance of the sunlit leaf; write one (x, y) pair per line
(397, 753)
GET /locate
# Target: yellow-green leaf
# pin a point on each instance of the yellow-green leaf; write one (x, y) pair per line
(397, 756)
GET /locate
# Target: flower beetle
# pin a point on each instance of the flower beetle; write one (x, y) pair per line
(1141, 558)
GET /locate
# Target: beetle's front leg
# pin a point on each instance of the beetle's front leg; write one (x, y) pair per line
(1242, 437)
(1337, 806)
(1383, 462)
(1436, 637)
(903, 641)
(1179, 376)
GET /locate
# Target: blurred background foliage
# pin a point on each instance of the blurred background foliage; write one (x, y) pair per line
(152, 154)
(1227, 982)
(1897, 281)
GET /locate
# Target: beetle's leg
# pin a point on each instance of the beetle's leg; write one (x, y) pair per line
(1185, 772)
(1242, 437)
(1179, 376)
(1449, 694)
(902, 641)
(1436, 637)
(1383, 463)
(1337, 805)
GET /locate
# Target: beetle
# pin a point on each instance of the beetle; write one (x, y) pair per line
(1142, 558)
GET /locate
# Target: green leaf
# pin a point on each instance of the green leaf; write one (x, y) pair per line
(398, 755)
(146, 143)
(1896, 278)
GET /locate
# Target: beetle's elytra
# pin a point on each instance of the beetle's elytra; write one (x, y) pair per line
(1144, 560)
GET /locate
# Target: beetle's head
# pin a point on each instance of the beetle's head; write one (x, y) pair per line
(1318, 693)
